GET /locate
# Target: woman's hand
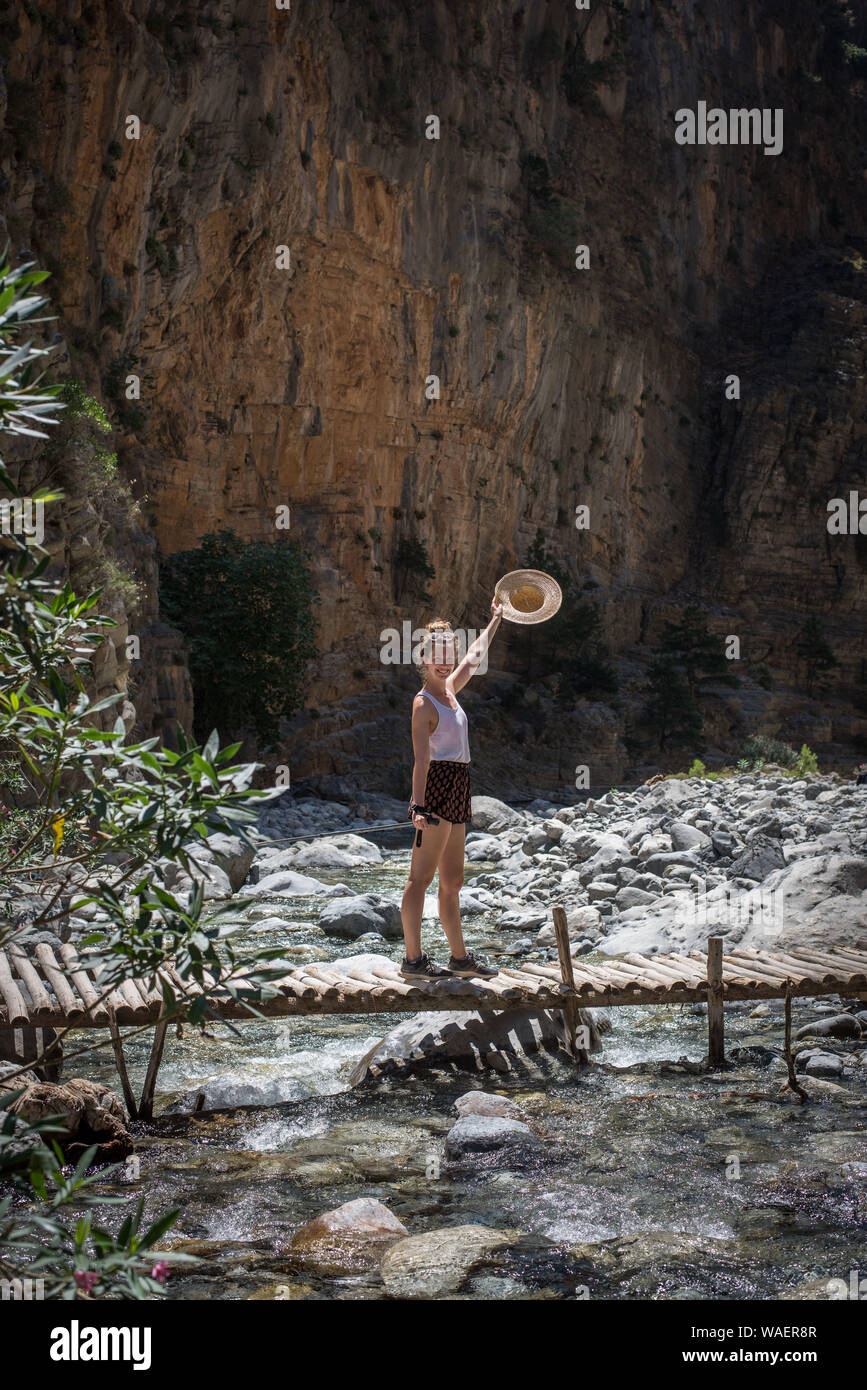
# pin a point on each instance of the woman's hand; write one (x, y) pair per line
(496, 608)
(419, 821)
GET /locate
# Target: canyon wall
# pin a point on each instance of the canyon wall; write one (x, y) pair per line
(271, 379)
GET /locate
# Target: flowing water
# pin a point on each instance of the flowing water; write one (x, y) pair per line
(654, 1181)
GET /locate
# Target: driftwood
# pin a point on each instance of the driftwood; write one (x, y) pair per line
(794, 1084)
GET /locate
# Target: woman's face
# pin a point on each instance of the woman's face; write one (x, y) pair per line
(440, 660)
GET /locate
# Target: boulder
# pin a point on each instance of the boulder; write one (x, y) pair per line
(840, 1026)
(759, 858)
(89, 1112)
(487, 1133)
(490, 814)
(233, 857)
(685, 836)
(819, 1064)
(436, 1264)
(286, 883)
(362, 913)
(466, 1040)
(336, 852)
(483, 1103)
(350, 1237)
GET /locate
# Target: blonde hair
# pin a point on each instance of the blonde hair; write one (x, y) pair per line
(438, 625)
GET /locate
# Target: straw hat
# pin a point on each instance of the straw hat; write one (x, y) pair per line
(528, 596)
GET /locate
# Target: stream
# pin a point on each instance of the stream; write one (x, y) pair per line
(636, 1192)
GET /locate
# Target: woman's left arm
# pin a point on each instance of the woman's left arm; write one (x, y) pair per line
(475, 654)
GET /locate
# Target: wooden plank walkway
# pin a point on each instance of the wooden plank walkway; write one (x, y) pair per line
(45, 992)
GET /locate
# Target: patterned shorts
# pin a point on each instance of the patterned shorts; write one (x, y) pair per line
(447, 792)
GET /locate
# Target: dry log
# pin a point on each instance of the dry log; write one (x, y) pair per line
(29, 976)
(17, 1013)
(70, 1004)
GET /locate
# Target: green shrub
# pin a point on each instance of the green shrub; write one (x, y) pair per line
(760, 749)
(807, 762)
(246, 611)
(697, 768)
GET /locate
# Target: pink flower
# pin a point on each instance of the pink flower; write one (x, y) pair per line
(85, 1279)
(160, 1271)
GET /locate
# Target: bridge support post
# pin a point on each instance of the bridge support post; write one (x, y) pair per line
(146, 1106)
(120, 1063)
(715, 1017)
(570, 1010)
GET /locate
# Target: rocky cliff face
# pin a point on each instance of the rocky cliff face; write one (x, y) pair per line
(303, 380)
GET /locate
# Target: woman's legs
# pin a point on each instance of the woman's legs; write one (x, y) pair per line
(451, 871)
(422, 868)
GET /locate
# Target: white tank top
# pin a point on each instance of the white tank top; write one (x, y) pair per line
(450, 741)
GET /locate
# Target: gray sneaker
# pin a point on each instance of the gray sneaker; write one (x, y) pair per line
(424, 968)
(472, 967)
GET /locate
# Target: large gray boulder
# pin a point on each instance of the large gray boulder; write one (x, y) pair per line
(493, 815)
(486, 1134)
(436, 1264)
(336, 852)
(464, 1040)
(233, 857)
(760, 857)
(288, 883)
(362, 913)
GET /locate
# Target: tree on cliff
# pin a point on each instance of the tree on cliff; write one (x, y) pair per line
(689, 655)
(816, 655)
(246, 611)
(570, 646)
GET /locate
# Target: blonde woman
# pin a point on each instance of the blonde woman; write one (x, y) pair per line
(440, 806)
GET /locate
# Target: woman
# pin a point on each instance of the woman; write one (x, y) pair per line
(441, 789)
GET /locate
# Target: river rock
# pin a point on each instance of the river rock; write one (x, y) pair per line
(522, 918)
(436, 1264)
(826, 1064)
(287, 883)
(232, 856)
(483, 1103)
(468, 1040)
(579, 921)
(89, 1113)
(493, 815)
(362, 913)
(684, 836)
(235, 1089)
(485, 1133)
(336, 852)
(840, 1026)
(347, 1238)
(759, 859)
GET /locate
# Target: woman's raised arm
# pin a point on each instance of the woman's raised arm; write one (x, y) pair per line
(473, 659)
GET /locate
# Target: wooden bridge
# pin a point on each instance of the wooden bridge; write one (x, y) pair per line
(45, 992)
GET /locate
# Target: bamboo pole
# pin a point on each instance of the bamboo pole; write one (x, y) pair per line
(715, 1020)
